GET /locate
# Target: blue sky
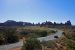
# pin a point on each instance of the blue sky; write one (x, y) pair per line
(37, 10)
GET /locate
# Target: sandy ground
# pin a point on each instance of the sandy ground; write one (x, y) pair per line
(17, 48)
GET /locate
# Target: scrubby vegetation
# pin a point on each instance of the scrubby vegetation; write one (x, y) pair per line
(8, 35)
(12, 35)
(35, 31)
(32, 44)
(67, 42)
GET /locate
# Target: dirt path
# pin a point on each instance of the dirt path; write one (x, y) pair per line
(10, 46)
(51, 37)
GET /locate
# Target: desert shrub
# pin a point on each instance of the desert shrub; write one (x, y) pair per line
(51, 44)
(70, 44)
(72, 37)
(12, 39)
(63, 33)
(52, 31)
(33, 35)
(24, 33)
(11, 36)
(42, 33)
(32, 44)
(2, 40)
(8, 35)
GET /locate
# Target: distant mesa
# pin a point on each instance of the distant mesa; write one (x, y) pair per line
(47, 23)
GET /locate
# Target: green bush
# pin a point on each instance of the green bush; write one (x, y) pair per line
(42, 33)
(52, 31)
(8, 35)
(2, 40)
(70, 44)
(12, 39)
(63, 33)
(51, 44)
(32, 44)
(24, 33)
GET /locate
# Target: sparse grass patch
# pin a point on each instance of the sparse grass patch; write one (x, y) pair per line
(38, 31)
